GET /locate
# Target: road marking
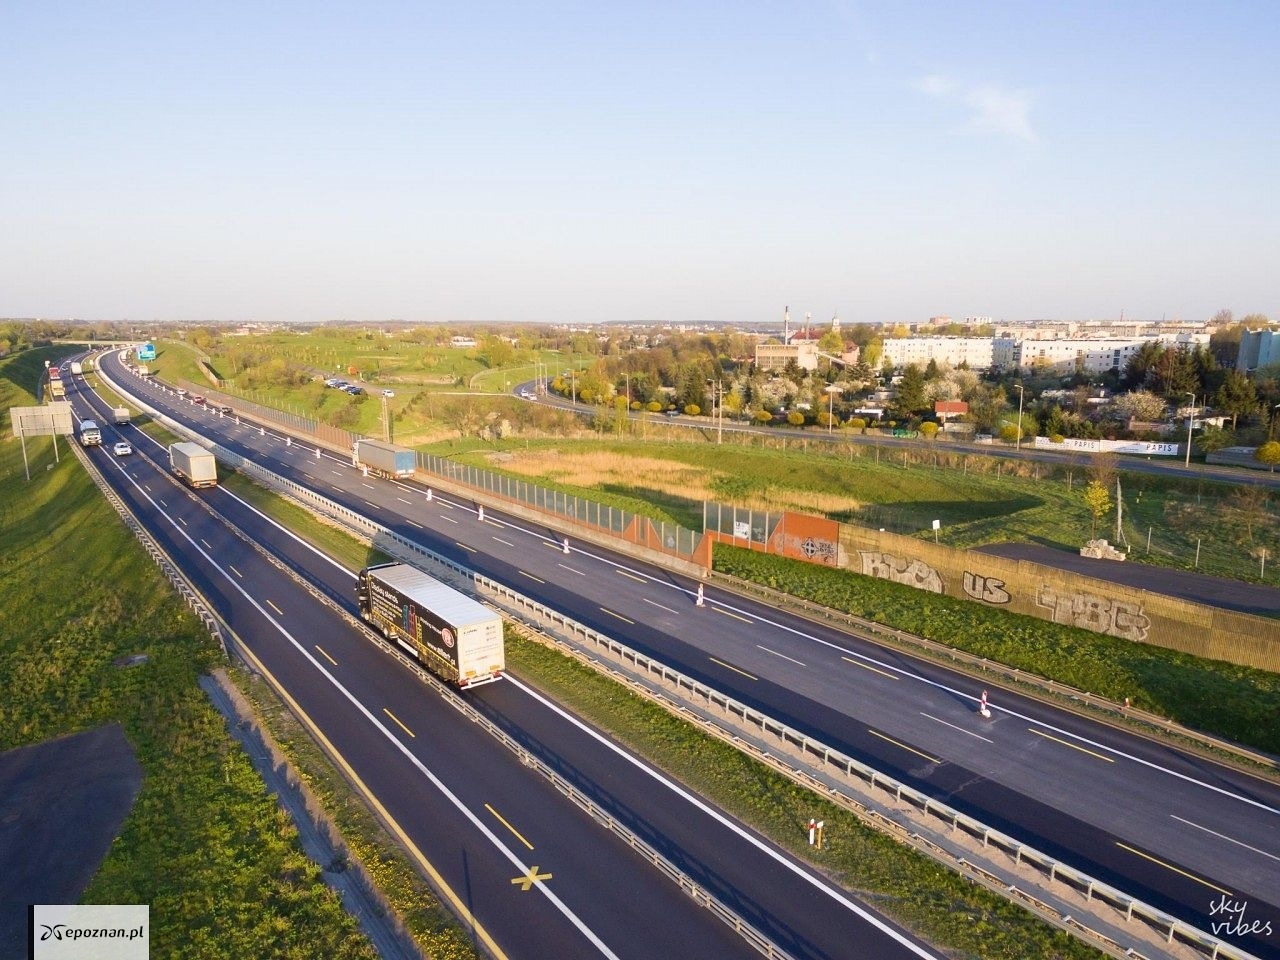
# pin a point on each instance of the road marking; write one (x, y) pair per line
(450, 519)
(954, 727)
(570, 569)
(530, 878)
(369, 485)
(403, 500)
(1071, 745)
(181, 521)
(494, 523)
(530, 576)
(859, 663)
(631, 576)
(336, 473)
(507, 542)
(1223, 836)
(445, 504)
(782, 655)
(1189, 876)
(398, 723)
(324, 654)
(372, 506)
(734, 615)
(275, 608)
(899, 743)
(235, 571)
(206, 543)
(618, 615)
(657, 604)
(514, 832)
(730, 666)
(412, 524)
(465, 547)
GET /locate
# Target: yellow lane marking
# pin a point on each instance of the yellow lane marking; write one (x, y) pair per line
(458, 904)
(898, 743)
(465, 547)
(275, 608)
(325, 654)
(530, 878)
(516, 833)
(617, 615)
(1039, 733)
(631, 576)
(399, 724)
(1169, 866)
(859, 663)
(730, 666)
(531, 577)
(734, 615)
(235, 571)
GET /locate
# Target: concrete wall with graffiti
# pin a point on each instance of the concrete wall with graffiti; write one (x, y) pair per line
(1017, 585)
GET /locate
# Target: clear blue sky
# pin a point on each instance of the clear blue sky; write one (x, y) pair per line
(673, 161)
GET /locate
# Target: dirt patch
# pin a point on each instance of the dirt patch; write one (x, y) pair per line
(62, 804)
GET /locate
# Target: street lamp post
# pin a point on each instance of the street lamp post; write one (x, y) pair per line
(1191, 420)
(1271, 430)
(1017, 443)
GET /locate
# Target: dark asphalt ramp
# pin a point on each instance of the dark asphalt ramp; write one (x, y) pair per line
(62, 803)
(1195, 587)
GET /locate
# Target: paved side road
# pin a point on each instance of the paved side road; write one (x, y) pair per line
(1184, 584)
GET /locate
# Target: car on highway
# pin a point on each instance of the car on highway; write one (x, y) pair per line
(198, 400)
(221, 408)
(122, 449)
(181, 392)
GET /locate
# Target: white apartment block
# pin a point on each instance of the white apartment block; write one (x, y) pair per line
(1090, 354)
(949, 351)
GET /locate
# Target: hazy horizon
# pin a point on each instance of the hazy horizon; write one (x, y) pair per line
(664, 163)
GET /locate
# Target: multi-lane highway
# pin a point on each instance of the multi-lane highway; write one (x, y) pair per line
(1177, 831)
(530, 873)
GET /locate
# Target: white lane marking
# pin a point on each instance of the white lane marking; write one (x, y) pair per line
(660, 606)
(570, 569)
(507, 542)
(450, 519)
(1223, 836)
(369, 485)
(728, 824)
(782, 655)
(403, 500)
(399, 745)
(953, 726)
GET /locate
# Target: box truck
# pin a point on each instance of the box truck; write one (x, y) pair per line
(194, 464)
(120, 415)
(77, 368)
(385, 459)
(451, 635)
(90, 435)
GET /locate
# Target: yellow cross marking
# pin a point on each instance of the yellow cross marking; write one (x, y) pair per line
(529, 879)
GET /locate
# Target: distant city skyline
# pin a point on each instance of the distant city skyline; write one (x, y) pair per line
(659, 163)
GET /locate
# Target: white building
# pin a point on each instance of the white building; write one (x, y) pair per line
(951, 351)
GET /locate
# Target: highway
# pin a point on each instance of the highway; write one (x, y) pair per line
(530, 873)
(1172, 829)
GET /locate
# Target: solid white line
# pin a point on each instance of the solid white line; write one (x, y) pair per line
(954, 727)
(728, 824)
(1223, 836)
(782, 655)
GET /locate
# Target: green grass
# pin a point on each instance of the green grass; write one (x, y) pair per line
(205, 844)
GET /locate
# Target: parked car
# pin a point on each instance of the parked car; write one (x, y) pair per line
(388, 393)
(122, 449)
(352, 389)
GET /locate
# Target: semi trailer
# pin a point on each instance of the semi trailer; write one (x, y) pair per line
(385, 459)
(452, 635)
(194, 464)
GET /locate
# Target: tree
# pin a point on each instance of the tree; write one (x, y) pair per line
(831, 342)
(1237, 396)
(928, 429)
(1140, 364)
(911, 396)
(1268, 454)
(1098, 499)
(1139, 405)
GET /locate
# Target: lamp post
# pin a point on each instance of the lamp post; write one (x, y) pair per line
(1271, 430)
(1191, 420)
(1017, 443)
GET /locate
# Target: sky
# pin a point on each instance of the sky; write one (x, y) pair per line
(657, 162)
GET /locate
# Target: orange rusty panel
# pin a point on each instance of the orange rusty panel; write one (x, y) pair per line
(804, 537)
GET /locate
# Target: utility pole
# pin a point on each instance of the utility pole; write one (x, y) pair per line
(1191, 419)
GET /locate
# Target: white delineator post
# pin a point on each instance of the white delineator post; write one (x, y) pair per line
(983, 709)
(701, 599)
(566, 544)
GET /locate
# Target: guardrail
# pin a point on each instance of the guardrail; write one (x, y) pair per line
(1173, 930)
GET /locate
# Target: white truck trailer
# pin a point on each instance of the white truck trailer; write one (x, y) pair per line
(451, 635)
(193, 464)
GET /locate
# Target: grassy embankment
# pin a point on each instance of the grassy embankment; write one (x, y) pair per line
(205, 845)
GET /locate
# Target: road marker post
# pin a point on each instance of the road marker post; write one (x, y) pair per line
(983, 709)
